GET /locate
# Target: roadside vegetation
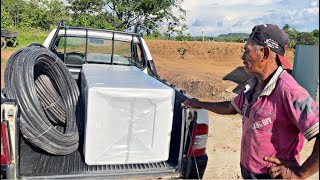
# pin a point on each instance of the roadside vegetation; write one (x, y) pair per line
(33, 19)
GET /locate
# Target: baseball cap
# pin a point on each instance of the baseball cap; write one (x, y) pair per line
(275, 38)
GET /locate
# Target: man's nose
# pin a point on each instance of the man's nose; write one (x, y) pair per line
(243, 57)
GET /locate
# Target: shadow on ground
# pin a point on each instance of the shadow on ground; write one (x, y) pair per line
(239, 76)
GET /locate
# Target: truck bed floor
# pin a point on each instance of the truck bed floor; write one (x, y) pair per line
(37, 164)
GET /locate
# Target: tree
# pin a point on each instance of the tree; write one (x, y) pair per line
(94, 21)
(91, 13)
(91, 7)
(56, 11)
(6, 20)
(170, 29)
(180, 36)
(143, 15)
(296, 37)
(286, 28)
(315, 33)
(34, 15)
(15, 8)
(156, 34)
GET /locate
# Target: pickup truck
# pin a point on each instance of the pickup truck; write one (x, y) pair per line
(76, 46)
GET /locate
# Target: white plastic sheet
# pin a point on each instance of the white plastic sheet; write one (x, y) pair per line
(128, 115)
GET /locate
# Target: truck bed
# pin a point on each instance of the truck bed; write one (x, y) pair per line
(35, 163)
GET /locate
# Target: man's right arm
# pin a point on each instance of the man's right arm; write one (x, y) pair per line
(223, 107)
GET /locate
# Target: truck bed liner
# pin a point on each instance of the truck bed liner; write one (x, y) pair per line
(39, 164)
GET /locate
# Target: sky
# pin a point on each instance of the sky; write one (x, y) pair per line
(214, 17)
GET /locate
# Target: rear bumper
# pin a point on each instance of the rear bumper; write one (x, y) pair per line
(198, 165)
(4, 171)
(7, 171)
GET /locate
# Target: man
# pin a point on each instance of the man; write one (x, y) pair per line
(277, 112)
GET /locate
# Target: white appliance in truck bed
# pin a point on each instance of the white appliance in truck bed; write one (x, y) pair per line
(128, 115)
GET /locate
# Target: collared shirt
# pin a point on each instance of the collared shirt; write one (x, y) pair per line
(277, 123)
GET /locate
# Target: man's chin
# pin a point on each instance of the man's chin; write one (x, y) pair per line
(247, 70)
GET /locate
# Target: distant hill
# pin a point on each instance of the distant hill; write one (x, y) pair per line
(234, 35)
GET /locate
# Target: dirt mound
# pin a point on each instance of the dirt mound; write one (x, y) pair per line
(196, 51)
(206, 70)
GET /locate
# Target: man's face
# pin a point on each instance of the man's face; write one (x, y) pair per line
(252, 59)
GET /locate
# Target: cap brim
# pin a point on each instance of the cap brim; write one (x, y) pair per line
(285, 63)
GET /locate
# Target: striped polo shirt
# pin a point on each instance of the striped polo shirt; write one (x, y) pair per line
(277, 123)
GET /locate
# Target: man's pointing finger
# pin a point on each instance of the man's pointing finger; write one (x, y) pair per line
(272, 160)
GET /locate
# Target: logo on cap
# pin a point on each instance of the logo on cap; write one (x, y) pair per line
(272, 43)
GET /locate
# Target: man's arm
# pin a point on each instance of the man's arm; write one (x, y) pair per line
(311, 165)
(223, 107)
(289, 170)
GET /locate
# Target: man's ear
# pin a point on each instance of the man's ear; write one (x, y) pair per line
(266, 52)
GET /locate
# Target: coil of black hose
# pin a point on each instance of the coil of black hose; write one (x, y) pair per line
(47, 95)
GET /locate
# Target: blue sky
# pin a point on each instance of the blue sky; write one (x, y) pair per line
(214, 17)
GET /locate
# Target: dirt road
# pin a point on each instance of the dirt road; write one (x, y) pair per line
(213, 72)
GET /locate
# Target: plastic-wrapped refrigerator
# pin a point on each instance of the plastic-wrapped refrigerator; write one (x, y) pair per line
(128, 115)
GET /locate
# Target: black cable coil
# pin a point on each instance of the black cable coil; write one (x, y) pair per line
(48, 97)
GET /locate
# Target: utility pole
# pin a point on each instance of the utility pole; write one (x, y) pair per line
(202, 37)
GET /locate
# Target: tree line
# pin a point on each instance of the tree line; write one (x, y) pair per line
(295, 37)
(141, 16)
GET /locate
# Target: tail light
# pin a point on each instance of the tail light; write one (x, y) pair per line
(5, 150)
(199, 141)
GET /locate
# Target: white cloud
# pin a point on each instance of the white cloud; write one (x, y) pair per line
(314, 3)
(215, 17)
(301, 19)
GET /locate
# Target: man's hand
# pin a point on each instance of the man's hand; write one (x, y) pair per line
(190, 103)
(284, 169)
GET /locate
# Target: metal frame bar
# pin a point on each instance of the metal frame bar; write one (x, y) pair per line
(132, 48)
(112, 48)
(143, 55)
(103, 30)
(85, 56)
(60, 25)
(65, 45)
